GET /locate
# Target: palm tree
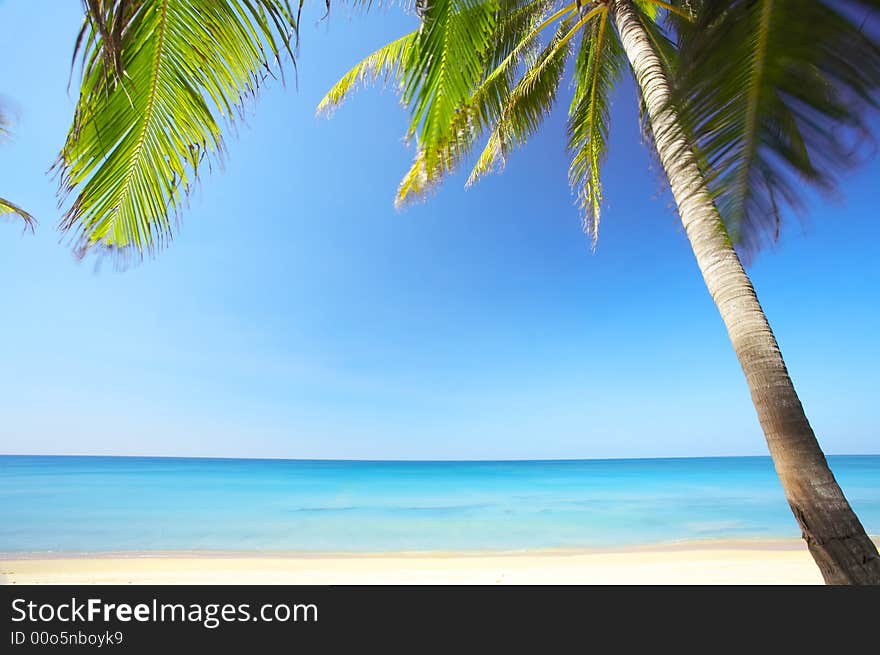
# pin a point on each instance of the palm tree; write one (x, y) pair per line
(747, 113)
(8, 208)
(157, 74)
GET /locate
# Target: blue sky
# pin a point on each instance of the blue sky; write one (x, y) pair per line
(297, 314)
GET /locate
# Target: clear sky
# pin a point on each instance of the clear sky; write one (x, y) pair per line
(297, 314)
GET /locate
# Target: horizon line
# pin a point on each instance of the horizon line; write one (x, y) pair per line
(424, 461)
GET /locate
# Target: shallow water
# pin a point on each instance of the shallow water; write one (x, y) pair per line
(94, 504)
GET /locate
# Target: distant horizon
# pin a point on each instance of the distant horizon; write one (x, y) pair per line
(136, 504)
(426, 461)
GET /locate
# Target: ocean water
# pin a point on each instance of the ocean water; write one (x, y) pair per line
(94, 504)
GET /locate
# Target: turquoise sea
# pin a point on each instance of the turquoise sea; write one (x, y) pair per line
(93, 504)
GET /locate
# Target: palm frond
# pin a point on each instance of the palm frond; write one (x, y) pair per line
(648, 8)
(529, 101)
(446, 64)
(776, 94)
(519, 24)
(152, 97)
(385, 62)
(8, 208)
(598, 66)
(515, 35)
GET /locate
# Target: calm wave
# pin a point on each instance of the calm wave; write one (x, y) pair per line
(141, 504)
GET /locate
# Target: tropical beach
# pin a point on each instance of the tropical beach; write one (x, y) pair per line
(122, 520)
(263, 347)
(720, 563)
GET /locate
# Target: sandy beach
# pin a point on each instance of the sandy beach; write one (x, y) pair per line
(722, 562)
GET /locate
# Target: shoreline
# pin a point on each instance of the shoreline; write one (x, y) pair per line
(742, 561)
(756, 543)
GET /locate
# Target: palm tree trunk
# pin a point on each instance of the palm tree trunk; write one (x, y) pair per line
(834, 535)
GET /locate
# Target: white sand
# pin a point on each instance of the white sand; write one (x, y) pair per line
(748, 562)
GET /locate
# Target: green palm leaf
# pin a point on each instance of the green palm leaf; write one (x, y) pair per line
(446, 64)
(777, 93)
(385, 62)
(515, 36)
(517, 39)
(528, 102)
(598, 66)
(505, 81)
(8, 208)
(155, 85)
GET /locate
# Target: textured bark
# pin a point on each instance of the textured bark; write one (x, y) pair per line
(834, 535)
